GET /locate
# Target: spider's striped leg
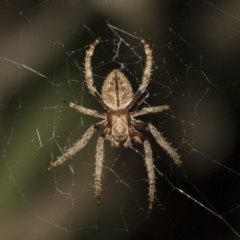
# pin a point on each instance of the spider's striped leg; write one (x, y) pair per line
(147, 110)
(84, 110)
(98, 168)
(88, 68)
(72, 150)
(150, 171)
(89, 76)
(164, 144)
(148, 67)
(146, 74)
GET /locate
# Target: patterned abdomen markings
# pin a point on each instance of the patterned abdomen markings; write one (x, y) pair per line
(116, 90)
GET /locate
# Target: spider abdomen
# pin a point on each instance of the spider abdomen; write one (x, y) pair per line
(116, 90)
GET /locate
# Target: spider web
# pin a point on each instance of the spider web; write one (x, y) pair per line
(195, 72)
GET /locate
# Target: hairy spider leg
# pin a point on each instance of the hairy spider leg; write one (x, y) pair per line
(86, 111)
(147, 110)
(72, 150)
(150, 172)
(164, 144)
(148, 152)
(99, 168)
(159, 138)
(146, 74)
(148, 159)
(89, 76)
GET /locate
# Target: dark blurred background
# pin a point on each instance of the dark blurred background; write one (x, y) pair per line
(196, 72)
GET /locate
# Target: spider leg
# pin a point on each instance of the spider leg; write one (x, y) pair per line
(72, 150)
(89, 75)
(164, 144)
(98, 168)
(150, 171)
(148, 67)
(137, 136)
(147, 110)
(146, 73)
(84, 110)
(148, 161)
(88, 68)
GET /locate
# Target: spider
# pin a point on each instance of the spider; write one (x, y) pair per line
(119, 124)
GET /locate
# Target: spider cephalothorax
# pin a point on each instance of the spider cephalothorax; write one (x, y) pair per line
(119, 123)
